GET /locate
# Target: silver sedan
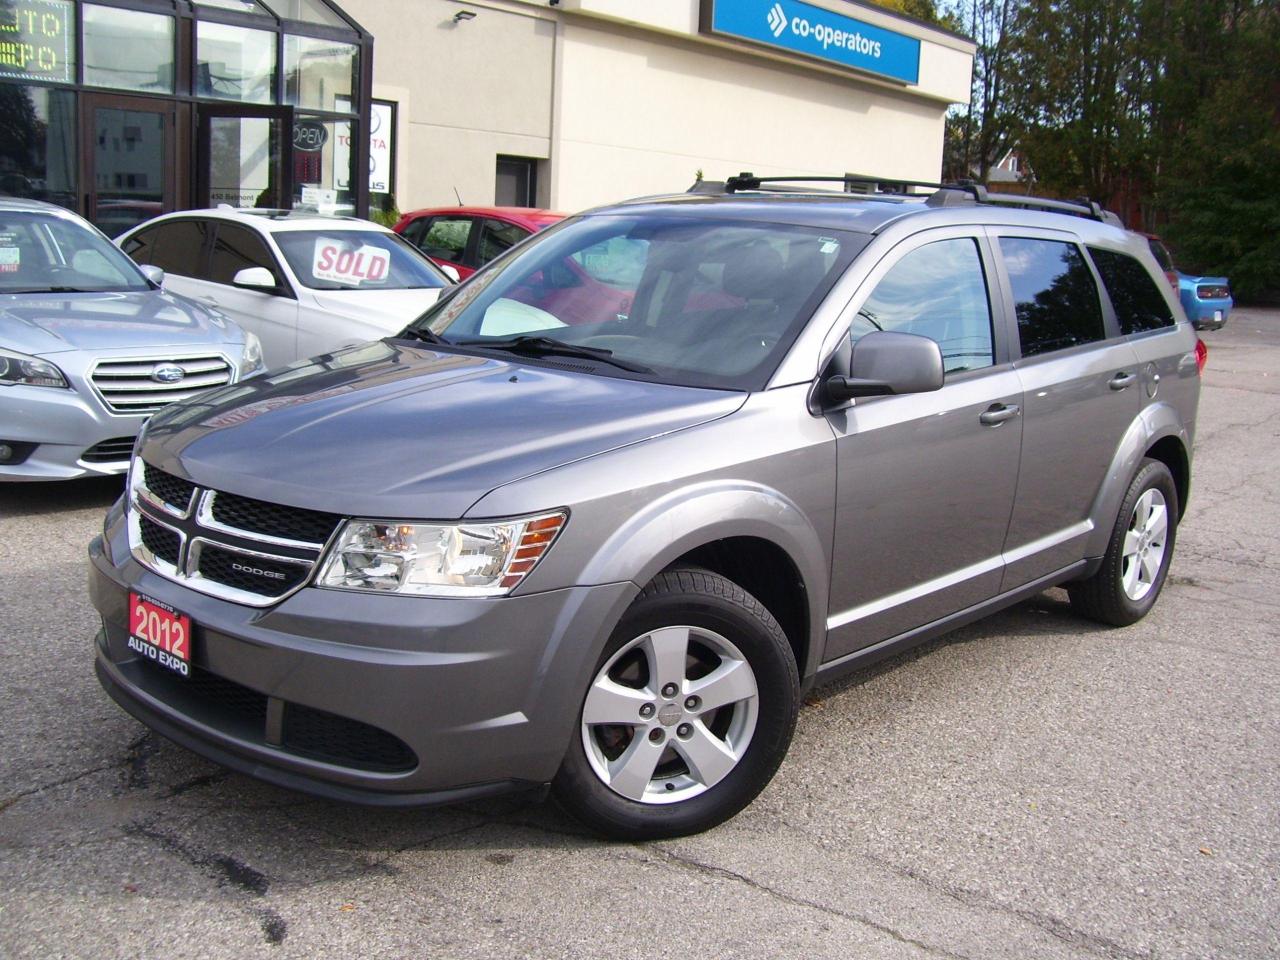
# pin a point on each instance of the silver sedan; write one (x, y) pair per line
(90, 346)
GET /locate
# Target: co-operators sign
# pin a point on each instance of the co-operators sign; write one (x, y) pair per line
(816, 32)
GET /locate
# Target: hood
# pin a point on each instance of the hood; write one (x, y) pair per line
(46, 323)
(393, 430)
(389, 310)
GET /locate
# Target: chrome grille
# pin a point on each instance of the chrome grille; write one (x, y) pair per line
(126, 386)
(255, 552)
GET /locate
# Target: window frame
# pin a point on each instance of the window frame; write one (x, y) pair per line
(1000, 345)
(495, 221)
(202, 255)
(283, 286)
(1162, 290)
(1110, 326)
(469, 249)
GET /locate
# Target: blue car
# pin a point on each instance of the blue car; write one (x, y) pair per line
(1206, 300)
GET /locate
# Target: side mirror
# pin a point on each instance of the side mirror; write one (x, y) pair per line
(255, 278)
(152, 273)
(450, 271)
(886, 363)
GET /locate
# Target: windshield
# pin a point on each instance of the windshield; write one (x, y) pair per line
(693, 301)
(46, 253)
(356, 260)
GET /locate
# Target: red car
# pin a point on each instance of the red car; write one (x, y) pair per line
(466, 238)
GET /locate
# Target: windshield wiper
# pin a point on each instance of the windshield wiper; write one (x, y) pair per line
(548, 347)
(425, 334)
(52, 290)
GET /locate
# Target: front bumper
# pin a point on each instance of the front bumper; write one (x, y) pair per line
(483, 694)
(65, 426)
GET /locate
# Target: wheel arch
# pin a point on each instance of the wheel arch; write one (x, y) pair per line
(1157, 432)
(743, 531)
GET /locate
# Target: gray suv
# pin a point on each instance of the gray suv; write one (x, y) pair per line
(599, 517)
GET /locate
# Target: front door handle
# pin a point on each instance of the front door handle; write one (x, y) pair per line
(998, 413)
(1121, 380)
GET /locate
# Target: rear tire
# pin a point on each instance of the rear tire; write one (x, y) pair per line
(1138, 555)
(689, 712)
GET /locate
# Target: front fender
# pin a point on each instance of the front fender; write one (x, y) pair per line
(671, 526)
(1156, 421)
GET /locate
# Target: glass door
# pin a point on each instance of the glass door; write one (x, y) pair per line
(243, 156)
(131, 171)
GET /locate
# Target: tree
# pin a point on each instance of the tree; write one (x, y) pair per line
(978, 136)
(1218, 140)
(1078, 82)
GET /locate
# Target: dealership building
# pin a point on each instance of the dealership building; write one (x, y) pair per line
(122, 110)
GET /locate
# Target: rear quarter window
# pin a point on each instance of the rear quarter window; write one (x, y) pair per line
(1134, 293)
(1054, 294)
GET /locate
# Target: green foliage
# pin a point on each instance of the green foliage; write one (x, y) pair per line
(383, 209)
(1167, 110)
(1221, 185)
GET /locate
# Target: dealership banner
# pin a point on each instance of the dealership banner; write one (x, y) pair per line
(816, 32)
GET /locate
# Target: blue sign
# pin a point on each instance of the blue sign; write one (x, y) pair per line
(816, 32)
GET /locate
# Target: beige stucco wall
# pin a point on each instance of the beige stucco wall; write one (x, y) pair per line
(641, 113)
(625, 98)
(467, 92)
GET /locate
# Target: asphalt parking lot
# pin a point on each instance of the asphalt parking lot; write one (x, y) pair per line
(1030, 786)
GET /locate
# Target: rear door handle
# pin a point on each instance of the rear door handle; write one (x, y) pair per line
(1121, 380)
(998, 413)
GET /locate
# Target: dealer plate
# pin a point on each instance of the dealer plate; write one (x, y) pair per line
(160, 633)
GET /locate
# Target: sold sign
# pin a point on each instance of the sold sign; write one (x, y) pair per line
(338, 262)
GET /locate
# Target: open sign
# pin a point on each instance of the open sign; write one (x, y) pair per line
(339, 262)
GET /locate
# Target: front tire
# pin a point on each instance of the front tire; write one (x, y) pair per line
(689, 712)
(1138, 555)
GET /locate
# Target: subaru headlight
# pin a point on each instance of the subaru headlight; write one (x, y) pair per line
(251, 360)
(438, 559)
(31, 371)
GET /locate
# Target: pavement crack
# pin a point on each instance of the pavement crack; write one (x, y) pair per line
(9, 801)
(1054, 926)
(688, 863)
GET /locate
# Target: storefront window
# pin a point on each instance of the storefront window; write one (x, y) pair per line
(318, 72)
(239, 6)
(308, 11)
(38, 150)
(322, 166)
(38, 40)
(128, 50)
(233, 63)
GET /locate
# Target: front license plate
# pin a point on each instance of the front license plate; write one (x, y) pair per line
(160, 633)
(1217, 316)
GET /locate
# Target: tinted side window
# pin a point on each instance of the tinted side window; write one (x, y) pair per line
(1135, 296)
(237, 248)
(497, 238)
(178, 247)
(1054, 293)
(937, 291)
(139, 247)
(446, 238)
(413, 231)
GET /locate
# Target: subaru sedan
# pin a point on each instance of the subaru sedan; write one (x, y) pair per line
(90, 346)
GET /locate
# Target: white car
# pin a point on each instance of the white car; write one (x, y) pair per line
(305, 284)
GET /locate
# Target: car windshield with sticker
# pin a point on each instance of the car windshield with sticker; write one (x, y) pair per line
(356, 260)
(47, 253)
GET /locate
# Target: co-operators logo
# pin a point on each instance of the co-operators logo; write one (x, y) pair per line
(777, 20)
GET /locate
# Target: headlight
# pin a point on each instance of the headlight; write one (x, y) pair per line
(251, 361)
(438, 560)
(32, 371)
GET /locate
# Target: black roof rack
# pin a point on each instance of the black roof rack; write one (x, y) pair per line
(963, 192)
